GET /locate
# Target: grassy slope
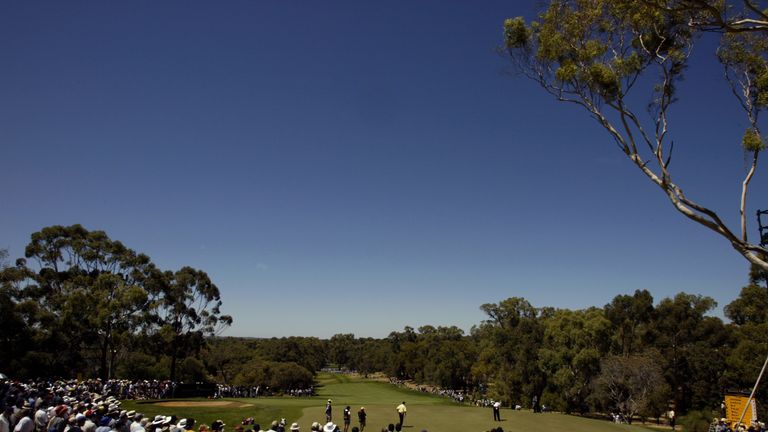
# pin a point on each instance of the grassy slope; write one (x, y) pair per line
(380, 399)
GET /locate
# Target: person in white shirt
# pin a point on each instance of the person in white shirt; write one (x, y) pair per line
(41, 418)
(6, 424)
(25, 424)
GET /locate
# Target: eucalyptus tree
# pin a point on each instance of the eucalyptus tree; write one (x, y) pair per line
(693, 347)
(187, 310)
(309, 352)
(15, 331)
(751, 307)
(631, 317)
(274, 376)
(619, 59)
(224, 357)
(717, 15)
(341, 349)
(573, 344)
(373, 356)
(447, 357)
(82, 289)
(749, 314)
(508, 347)
(401, 346)
(631, 385)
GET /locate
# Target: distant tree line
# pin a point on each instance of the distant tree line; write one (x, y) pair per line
(633, 356)
(80, 304)
(630, 356)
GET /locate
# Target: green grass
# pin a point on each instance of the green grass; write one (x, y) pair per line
(380, 399)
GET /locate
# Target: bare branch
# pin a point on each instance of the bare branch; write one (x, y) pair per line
(743, 202)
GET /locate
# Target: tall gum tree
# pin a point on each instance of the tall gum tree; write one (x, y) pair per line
(598, 54)
(509, 343)
(188, 310)
(86, 288)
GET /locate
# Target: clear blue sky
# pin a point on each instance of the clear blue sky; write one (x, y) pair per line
(348, 167)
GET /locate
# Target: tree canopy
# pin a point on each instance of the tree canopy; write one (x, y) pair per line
(622, 61)
(78, 293)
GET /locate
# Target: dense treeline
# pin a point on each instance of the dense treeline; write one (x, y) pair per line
(632, 355)
(81, 304)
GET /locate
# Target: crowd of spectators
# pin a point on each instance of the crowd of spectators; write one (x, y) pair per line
(120, 389)
(94, 406)
(229, 391)
(125, 389)
(723, 425)
(458, 396)
(79, 406)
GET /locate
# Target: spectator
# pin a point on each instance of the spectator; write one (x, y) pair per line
(187, 424)
(41, 417)
(76, 423)
(6, 424)
(138, 423)
(25, 424)
(90, 421)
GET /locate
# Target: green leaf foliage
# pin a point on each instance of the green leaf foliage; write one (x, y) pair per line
(752, 141)
(82, 296)
(596, 48)
(516, 34)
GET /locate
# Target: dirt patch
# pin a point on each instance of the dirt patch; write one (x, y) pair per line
(204, 404)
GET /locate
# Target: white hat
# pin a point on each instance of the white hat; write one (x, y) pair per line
(295, 427)
(182, 423)
(329, 427)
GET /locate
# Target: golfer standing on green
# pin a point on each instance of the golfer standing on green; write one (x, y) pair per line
(401, 412)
